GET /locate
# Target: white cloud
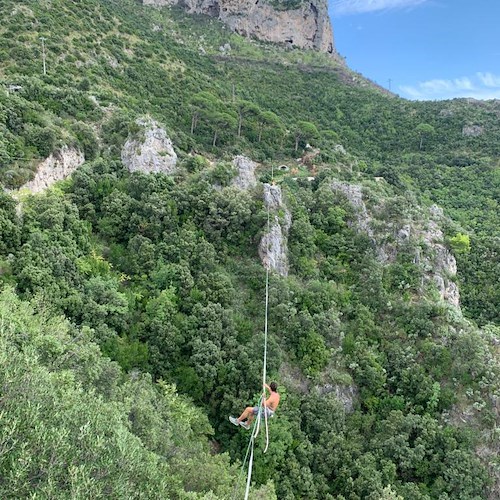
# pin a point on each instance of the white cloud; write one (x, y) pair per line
(342, 7)
(480, 86)
(489, 80)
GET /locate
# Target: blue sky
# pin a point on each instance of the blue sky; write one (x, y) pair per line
(422, 49)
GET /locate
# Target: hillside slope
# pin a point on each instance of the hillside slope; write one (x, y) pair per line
(387, 389)
(111, 61)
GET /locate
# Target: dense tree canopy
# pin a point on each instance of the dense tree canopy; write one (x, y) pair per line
(131, 305)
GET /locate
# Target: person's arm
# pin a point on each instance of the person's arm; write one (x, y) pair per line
(265, 401)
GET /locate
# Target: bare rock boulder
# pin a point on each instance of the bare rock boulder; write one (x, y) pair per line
(347, 395)
(245, 178)
(150, 151)
(472, 130)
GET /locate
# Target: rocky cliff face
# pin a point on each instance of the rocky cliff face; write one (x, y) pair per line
(56, 167)
(420, 231)
(245, 167)
(273, 248)
(150, 151)
(307, 26)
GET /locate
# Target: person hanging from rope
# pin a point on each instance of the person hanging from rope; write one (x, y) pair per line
(269, 406)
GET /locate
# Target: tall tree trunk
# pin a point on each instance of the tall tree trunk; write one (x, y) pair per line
(240, 121)
(215, 139)
(194, 122)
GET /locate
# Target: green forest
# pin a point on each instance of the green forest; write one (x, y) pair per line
(132, 305)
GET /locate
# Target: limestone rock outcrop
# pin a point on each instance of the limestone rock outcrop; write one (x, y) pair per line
(245, 178)
(422, 233)
(150, 151)
(59, 165)
(354, 193)
(307, 26)
(273, 248)
(440, 260)
(472, 130)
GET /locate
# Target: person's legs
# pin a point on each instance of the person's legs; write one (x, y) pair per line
(247, 414)
(250, 417)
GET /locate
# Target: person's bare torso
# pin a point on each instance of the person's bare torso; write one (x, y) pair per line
(273, 401)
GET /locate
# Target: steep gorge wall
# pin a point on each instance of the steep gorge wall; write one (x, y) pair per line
(307, 26)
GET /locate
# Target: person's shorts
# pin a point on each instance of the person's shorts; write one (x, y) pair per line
(269, 412)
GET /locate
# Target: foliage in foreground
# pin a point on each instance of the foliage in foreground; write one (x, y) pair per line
(73, 425)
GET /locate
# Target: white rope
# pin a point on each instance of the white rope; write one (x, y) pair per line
(264, 371)
(266, 323)
(255, 432)
(250, 466)
(256, 429)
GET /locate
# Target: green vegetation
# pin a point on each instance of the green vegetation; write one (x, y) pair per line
(286, 4)
(73, 425)
(131, 310)
(111, 61)
(162, 273)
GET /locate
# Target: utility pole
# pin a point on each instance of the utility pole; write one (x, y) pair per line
(42, 38)
(390, 81)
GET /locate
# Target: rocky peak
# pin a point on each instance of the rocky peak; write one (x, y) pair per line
(306, 25)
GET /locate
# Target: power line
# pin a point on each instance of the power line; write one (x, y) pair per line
(11, 158)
